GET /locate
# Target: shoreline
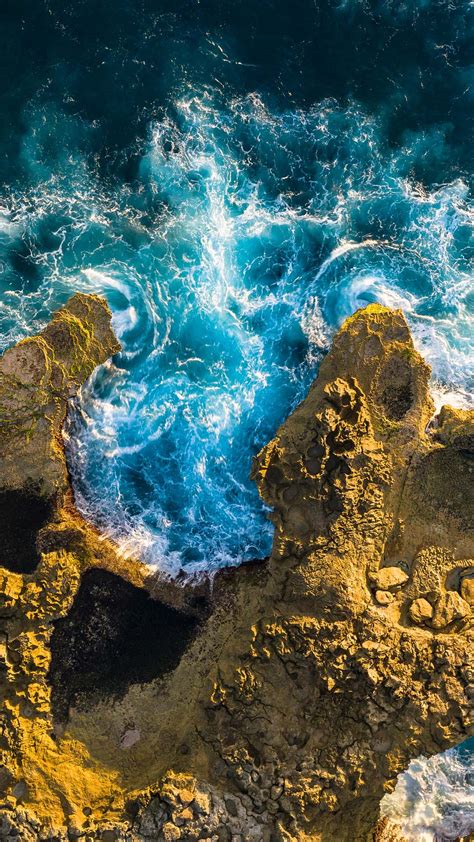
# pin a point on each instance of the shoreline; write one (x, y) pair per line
(288, 696)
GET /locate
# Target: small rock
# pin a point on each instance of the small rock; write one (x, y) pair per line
(467, 589)
(186, 796)
(420, 610)
(373, 675)
(383, 597)
(389, 577)
(450, 607)
(170, 832)
(202, 803)
(129, 738)
(231, 807)
(185, 815)
(108, 836)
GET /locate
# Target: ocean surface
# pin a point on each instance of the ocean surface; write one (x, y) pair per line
(236, 178)
(433, 800)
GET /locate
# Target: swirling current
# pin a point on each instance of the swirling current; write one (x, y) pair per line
(236, 179)
(247, 236)
(246, 239)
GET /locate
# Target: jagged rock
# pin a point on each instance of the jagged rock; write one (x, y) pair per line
(37, 378)
(420, 610)
(449, 607)
(170, 832)
(387, 831)
(388, 578)
(467, 589)
(297, 698)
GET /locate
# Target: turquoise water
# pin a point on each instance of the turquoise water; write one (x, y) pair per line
(247, 237)
(236, 181)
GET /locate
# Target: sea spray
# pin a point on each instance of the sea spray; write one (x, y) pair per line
(433, 800)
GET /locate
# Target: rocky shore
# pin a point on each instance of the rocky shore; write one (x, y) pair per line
(282, 702)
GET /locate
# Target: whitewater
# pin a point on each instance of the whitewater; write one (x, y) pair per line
(248, 237)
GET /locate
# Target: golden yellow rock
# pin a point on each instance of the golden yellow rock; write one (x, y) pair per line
(388, 578)
(449, 608)
(383, 597)
(420, 610)
(467, 589)
(294, 697)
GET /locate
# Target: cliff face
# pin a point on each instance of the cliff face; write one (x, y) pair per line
(283, 705)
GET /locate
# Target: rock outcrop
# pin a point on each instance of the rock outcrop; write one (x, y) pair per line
(37, 377)
(304, 684)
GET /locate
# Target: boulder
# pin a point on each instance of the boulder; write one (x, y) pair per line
(450, 607)
(420, 610)
(388, 578)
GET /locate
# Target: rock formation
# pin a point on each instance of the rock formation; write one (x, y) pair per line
(281, 704)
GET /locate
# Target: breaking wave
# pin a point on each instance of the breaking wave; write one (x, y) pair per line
(433, 800)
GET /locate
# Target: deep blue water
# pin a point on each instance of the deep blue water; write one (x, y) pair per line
(236, 178)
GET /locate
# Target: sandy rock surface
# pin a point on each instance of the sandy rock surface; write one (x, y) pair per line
(283, 705)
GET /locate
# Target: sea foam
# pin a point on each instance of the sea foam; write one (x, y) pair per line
(433, 800)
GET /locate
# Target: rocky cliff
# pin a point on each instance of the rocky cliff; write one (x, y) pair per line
(281, 703)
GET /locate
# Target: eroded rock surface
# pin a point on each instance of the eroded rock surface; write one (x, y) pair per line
(37, 377)
(314, 679)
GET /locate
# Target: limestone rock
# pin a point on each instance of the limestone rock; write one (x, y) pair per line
(295, 702)
(384, 597)
(467, 589)
(37, 378)
(170, 832)
(387, 831)
(388, 578)
(420, 610)
(449, 607)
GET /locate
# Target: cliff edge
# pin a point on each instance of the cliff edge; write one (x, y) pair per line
(283, 703)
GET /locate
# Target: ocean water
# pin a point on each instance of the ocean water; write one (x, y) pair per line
(434, 799)
(246, 237)
(236, 179)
